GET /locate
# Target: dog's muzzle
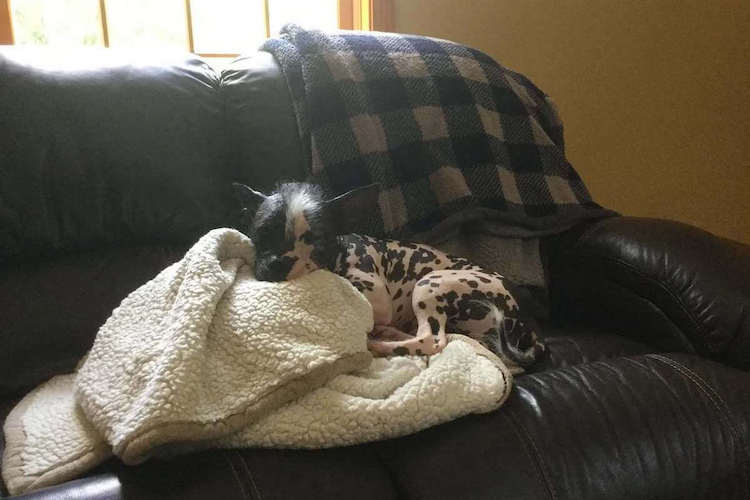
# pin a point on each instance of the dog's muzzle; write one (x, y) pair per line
(274, 268)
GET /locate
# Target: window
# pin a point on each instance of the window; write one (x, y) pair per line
(218, 29)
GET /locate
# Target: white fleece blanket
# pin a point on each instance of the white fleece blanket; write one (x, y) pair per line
(204, 356)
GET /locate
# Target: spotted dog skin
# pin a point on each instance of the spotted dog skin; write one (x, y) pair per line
(417, 292)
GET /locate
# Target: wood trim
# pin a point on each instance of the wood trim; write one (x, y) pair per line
(374, 15)
(6, 27)
(267, 18)
(356, 14)
(365, 14)
(216, 54)
(346, 14)
(381, 17)
(105, 22)
(189, 25)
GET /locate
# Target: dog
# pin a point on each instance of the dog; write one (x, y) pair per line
(417, 292)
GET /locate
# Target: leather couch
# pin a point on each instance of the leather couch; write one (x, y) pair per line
(112, 164)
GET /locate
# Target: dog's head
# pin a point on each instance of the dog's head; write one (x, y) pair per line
(295, 228)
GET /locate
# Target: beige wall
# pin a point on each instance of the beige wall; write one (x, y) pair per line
(654, 94)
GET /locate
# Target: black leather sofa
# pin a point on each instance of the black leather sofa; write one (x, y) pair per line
(111, 165)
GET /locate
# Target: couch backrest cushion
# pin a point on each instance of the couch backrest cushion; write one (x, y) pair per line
(103, 148)
(111, 165)
(50, 311)
(264, 143)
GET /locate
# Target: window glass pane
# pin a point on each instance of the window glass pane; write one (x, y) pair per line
(318, 14)
(57, 22)
(147, 23)
(227, 26)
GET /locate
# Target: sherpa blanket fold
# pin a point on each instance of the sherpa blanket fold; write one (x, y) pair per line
(205, 356)
(450, 135)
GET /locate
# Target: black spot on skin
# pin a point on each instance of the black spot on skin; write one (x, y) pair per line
(420, 255)
(483, 279)
(440, 298)
(307, 237)
(419, 352)
(401, 351)
(421, 341)
(438, 261)
(423, 283)
(468, 306)
(366, 263)
(400, 308)
(434, 285)
(472, 283)
(450, 307)
(398, 293)
(459, 263)
(398, 271)
(424, 272)
(408, 294)
(489, 332)
(421, 305)
(359, 247)
(434, 325)
(439, 310)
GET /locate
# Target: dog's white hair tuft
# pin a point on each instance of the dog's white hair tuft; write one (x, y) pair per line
(297, 203)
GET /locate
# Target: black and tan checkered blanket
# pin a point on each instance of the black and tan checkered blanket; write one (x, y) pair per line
(448, 133)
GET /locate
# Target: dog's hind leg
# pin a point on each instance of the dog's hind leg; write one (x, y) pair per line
(430, 338)
(388, 333)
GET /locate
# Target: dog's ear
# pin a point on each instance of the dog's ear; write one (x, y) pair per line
(353, 206)
(249, 198)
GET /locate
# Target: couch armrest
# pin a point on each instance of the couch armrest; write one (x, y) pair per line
(670, 284)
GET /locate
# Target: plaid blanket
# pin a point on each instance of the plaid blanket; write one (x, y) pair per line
(448, 133)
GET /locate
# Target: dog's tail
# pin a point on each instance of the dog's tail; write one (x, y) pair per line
(510, 340)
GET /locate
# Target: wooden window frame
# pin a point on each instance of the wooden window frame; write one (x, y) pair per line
(6, 28)
(369, 15)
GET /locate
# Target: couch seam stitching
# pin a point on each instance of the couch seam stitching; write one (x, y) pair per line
(249, 475)
(703, 334)
(683, 336)
(536, 457)
(721, 407)
(236, 476)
